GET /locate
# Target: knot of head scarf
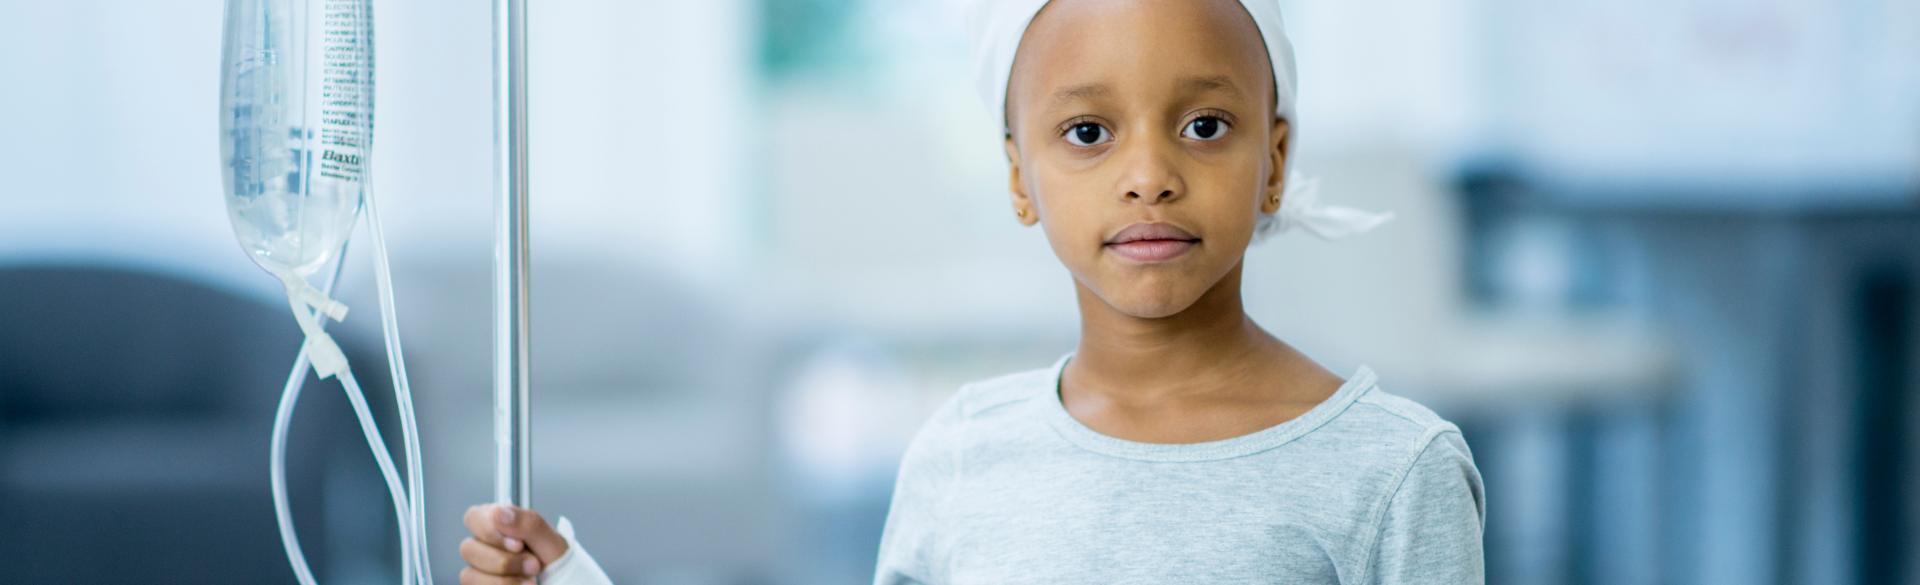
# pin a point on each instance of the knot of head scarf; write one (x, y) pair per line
(994, 29)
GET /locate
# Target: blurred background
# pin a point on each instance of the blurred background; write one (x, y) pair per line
(1658, 259)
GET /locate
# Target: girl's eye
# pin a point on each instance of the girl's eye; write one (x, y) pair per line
(1088, 134)
(1204, 128)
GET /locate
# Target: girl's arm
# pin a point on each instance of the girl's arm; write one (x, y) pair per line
(1430, 531)
(910, 548)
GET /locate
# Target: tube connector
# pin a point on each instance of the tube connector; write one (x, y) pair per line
(326, 356)
(299, 289)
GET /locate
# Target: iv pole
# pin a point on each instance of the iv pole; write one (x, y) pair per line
(512, 348)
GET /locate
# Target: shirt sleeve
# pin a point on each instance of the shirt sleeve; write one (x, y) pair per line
(1431, 529)
(911, 550)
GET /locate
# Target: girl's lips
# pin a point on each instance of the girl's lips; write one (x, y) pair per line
(1152, 250)
(1152, 242)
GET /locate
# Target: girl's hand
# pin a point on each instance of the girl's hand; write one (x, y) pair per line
(509, 545)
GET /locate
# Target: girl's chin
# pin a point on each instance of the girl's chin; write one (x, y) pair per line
(1150, 305)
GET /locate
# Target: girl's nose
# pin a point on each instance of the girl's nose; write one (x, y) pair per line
(1148, 175)
(1163, 195)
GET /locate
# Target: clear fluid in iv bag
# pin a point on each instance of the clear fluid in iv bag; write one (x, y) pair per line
(296, 126)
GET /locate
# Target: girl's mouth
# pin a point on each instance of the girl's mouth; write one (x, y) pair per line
(1152, 242)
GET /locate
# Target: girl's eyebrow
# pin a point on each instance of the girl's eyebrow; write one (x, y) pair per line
(1079, 92)
(1214, 83)
(1188, 85)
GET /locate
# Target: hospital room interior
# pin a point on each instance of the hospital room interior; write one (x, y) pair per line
(1658, 260)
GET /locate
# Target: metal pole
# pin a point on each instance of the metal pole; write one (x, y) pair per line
(512, 324)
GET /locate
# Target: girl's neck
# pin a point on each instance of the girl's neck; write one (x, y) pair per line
(1182, 353)
(1205, 374)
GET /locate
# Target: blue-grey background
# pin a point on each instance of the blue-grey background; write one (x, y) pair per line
(1659, 259)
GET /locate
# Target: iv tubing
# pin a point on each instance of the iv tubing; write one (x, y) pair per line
(403, 396)
(379, 447)
(281, 419)
(374, 443)
(410, 507)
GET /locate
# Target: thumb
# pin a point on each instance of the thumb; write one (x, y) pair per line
(529, 527)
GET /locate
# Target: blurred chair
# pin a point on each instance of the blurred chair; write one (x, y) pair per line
(135, 417)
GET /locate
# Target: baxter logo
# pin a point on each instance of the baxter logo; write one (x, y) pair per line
(351, 159)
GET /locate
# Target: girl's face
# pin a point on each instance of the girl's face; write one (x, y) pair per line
(1143, 139)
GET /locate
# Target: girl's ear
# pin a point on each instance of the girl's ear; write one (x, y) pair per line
(1023, 207)
(1276, 178)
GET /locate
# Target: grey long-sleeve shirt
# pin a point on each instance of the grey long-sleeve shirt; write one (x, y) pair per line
(1003, 486)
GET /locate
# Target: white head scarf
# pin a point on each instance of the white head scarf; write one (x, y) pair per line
(994, 30)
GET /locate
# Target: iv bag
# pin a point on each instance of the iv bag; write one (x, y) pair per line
(296, 126)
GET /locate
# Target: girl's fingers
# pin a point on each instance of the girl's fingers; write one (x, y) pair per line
(488, 559)
(515, 530)
(479, 521)
(519, 527)
(468, 576)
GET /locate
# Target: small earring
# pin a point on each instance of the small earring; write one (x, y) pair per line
(1021, 212)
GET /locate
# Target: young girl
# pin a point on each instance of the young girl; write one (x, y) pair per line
(1180, 443)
